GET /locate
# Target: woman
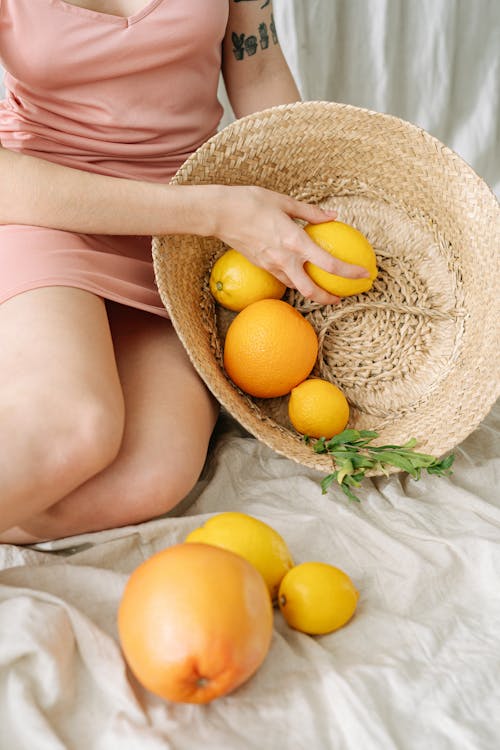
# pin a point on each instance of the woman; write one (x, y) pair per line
(103, 420)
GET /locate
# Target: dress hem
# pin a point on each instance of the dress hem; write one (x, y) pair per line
(44, 283)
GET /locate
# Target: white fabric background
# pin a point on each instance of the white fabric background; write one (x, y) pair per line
(435, 63)
(417, 668)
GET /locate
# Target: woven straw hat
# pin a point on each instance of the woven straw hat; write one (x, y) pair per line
(418, 355)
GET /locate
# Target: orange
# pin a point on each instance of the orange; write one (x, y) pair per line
(235, 282)
(195, 621)
(345, 243)
(269, 348)
(318, 408)
(317, 598)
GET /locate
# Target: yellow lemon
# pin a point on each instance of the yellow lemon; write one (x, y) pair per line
(318, 408)
(345, 243)
(250, 538)
(317, 598)
(235, 282)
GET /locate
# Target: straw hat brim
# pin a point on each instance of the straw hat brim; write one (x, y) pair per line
(418, 355)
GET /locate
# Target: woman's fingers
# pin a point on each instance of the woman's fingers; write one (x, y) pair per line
(303, 283)
(300, 280)
(315, 254)
(308, 212)
(306, 286)
(282, 276)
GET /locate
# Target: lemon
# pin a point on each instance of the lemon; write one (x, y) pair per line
(235, 282)
(318, 408)
(345, 243)
(317, 598)
(250, 538)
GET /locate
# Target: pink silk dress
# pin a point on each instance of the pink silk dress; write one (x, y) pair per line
(128, 97)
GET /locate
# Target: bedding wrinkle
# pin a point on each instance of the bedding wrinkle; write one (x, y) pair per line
(415, 668)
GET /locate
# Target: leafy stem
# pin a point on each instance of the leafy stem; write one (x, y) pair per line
(353, 455)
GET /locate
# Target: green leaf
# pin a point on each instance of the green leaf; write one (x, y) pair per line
(352, 457)
(343, 437)
(447, 462)
(327, 481)
(368, 434)
(383, 468)
(419, 460)
(350, 494)
(319, 446)
(411, 443)
(353, 480)
(394, 459)
(359, 461)
(342, 455)
(442, 468)
(360, 443)
(346, 468)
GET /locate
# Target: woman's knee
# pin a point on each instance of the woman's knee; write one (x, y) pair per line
(61, 399)
(92, 432)
(156, 487)
(64, 438)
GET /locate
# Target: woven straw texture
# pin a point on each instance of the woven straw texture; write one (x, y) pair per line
(418, 355)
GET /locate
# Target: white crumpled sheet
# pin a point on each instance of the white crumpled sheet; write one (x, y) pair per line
(417, 667)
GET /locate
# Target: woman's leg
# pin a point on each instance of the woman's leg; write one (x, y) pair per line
(61, 402)
(169, 418)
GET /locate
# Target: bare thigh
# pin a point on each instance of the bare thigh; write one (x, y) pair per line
(169, 418)
(169, 412)
(61, 402)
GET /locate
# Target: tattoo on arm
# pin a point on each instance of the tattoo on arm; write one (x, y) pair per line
(266, 2)
(243, 44)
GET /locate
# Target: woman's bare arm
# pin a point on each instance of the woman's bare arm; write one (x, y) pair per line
(255, 71)
(37, 191)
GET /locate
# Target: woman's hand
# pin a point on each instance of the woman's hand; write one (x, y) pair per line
(259, 223)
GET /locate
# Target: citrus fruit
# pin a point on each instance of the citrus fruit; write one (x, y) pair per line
(317, 598)
(235, 282)
(269, 348)
(251, 538)
(318, 408)
(345, 243)
(195, 621)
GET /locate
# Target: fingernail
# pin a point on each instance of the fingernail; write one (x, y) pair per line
(365, 274)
